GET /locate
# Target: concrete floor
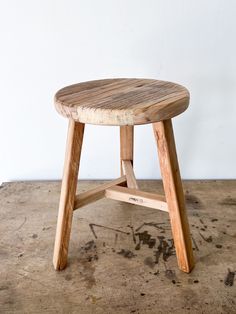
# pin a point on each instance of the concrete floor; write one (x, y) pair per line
(121, 257)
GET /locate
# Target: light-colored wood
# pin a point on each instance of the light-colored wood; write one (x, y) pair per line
(126, 145)
(122, 101)
(174, 194)
(127, 142)
(137, 197)
(97, 193)
(130, 176)
(68, 190)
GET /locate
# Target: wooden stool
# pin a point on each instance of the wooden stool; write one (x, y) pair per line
(125, 103)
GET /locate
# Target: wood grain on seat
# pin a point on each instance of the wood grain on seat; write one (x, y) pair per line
(122, 101)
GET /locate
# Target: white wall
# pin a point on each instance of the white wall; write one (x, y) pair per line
(46, 44)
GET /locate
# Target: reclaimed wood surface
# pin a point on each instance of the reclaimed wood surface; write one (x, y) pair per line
(137, 197)
(129, 172)
(68, 190)
(109, 265)
(172, 183)
(122, 101)
(97, 193)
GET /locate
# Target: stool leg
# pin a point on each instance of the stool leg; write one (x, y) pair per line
(126, 144)
(68, 191)
(174, 193)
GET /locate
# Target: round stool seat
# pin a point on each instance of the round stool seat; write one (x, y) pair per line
(122, 101)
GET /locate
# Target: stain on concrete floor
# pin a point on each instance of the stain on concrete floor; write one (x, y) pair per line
(121, 258)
